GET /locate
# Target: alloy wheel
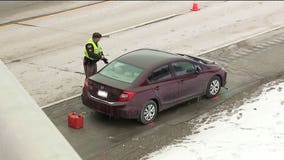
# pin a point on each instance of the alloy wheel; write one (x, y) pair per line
(214, 87)
(149, 112)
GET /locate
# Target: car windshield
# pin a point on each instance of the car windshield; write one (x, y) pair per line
(121, 71)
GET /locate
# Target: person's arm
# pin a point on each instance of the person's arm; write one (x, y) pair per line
(90, 52)
(103, 58)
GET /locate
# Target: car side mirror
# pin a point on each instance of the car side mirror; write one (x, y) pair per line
(197, 69)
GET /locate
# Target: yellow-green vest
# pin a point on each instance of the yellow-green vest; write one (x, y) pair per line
(97, 49)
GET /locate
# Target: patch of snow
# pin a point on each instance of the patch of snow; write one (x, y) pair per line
(255, 130)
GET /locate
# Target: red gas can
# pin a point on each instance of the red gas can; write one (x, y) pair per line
(75, 120)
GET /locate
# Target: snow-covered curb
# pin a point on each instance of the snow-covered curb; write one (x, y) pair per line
(254, 131)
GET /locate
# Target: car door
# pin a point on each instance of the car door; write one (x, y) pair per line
(164, 86)
(189, 81)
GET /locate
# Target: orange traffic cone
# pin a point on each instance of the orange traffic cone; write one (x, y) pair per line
(195, 7)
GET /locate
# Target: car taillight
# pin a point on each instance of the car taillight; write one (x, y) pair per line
(125, 96)
(86, 83)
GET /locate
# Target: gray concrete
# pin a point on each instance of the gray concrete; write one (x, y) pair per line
(118, 139)
(45, 53)
(26, 132)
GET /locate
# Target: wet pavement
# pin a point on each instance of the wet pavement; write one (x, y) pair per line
(249, 63)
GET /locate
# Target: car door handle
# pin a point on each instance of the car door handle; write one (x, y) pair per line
(157, 88)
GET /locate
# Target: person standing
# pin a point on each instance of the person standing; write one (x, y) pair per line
(92, 54)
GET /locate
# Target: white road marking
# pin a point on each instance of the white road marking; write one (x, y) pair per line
(160, 19)
(60, 101)
(142, 24)
(241, 39)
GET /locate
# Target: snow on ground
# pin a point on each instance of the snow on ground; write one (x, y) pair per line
(254, 131)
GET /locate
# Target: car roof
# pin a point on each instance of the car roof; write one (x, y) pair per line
(147, 58)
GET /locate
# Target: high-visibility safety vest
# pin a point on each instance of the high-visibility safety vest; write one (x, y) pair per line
(97, 49)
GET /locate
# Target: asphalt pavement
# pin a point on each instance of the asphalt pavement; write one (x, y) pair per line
(17, 11)
(45, 53)
(249, 63)
(47, 60)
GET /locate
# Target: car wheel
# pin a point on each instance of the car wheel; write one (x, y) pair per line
(148, 112)
(213, 87)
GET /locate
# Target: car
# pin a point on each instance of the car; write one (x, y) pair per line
(142, 83)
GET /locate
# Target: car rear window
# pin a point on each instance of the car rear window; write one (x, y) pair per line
(122, 71)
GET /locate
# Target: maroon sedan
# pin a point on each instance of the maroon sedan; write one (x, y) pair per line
(141, 83)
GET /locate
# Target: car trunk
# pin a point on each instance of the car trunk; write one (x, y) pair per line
(105, 88)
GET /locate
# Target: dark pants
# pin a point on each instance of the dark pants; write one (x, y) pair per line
(90, 68)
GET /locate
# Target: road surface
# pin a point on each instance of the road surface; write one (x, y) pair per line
(249, 63)
(45, 53)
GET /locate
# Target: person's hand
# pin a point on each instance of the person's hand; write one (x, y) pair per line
(105, 60)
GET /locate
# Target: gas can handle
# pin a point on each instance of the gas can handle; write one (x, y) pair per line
(82, 114)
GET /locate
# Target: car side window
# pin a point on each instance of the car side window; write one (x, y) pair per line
(159, 74)
(183, 68)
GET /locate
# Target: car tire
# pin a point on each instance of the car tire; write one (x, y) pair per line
(148, 112)
(213, 87)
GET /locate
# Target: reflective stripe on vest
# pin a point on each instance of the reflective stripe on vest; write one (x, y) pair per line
(97, 49)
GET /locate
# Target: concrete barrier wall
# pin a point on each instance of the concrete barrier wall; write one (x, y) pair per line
(26, 132)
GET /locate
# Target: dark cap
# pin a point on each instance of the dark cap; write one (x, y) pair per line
(97, 35)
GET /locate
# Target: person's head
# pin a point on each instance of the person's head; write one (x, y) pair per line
(96, 37)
